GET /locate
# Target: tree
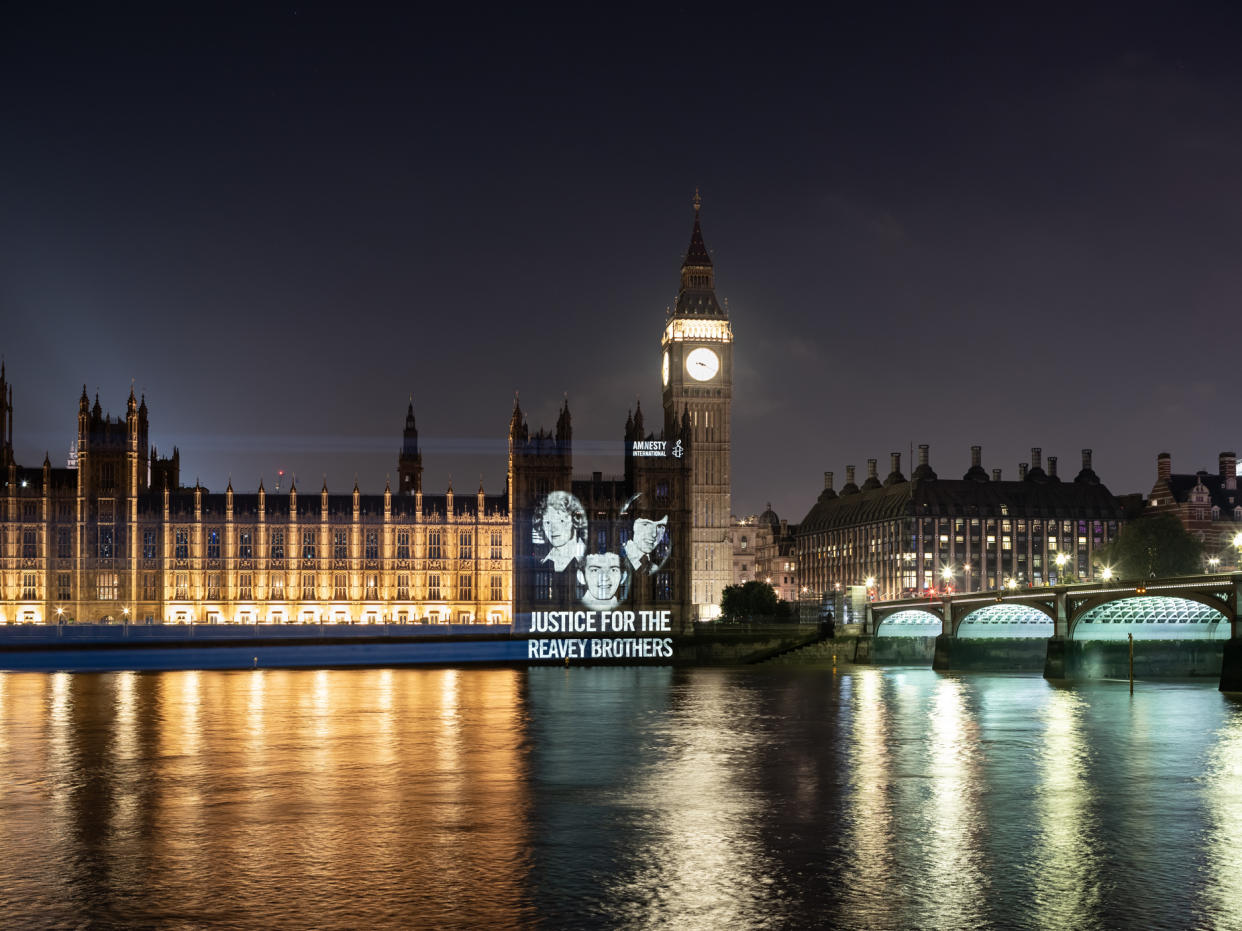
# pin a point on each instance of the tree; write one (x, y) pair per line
(1156, 546)
(752, 599)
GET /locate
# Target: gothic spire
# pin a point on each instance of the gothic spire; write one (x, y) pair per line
(697, 297)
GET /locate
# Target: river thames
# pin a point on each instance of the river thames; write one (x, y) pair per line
(616, 797)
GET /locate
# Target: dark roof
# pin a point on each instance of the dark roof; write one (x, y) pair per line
(1224, 498)
(696, 255)
(963, 498)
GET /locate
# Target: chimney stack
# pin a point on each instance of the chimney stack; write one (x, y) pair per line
(1052, 466)
(895, 461)
(922, 454)
(1164, 467)
(1036, 458)
(996, 475)
(1022, 467)
(849, 475)
(1229, 471)
(828, 481)
(1086, 460)
(976, 457)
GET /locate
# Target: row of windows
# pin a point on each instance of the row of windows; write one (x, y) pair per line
(108, 542)
(107, 587)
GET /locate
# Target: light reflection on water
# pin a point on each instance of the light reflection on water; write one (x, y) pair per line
(616, 797)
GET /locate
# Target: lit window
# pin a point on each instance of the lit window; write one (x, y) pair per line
(245, 545)
(105, 542)
(106, 586)
(213, 543)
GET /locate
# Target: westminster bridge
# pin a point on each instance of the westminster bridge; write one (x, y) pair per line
(1180, 627)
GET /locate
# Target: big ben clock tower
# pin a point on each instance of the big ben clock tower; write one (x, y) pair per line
(697, 371)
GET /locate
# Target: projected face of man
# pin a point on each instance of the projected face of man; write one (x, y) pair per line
(647, 533)
(602, 576)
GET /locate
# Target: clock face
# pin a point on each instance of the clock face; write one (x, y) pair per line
(664, 370)
(702, 364)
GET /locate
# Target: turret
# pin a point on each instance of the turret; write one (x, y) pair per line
(410, 462)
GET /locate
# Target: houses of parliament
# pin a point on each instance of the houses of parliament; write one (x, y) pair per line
(117, 538)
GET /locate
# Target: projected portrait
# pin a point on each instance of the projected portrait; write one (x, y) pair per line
(648, 547)
(560, 525)
(603, 581)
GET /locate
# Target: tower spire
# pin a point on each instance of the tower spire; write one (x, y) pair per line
(697, 297)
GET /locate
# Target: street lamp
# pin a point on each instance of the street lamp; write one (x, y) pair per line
(1011, 584)
(1061, 560)
(1107, 573)
(1213, 563)
(946, 574)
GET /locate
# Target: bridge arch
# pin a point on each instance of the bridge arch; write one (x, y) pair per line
(1187, 616)
(1009, 620)
(910, 622)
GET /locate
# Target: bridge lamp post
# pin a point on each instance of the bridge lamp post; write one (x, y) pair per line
(1107, 573)
(1011, 584)
(947, 575)
(1213, 563)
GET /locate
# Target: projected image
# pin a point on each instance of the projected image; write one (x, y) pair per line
(560, 525)
(604, 581)
(649, 545)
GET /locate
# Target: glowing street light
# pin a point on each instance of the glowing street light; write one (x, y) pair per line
(1107, 573)
(1011, 584)
(1213, 563)
(870, 581)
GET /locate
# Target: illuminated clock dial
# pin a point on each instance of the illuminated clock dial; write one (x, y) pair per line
(664, 369)
(702, 364)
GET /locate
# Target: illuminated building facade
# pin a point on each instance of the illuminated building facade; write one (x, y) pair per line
(765, 550)
(697, 373)
(973, 534)
(1207, 504)
(118, 539)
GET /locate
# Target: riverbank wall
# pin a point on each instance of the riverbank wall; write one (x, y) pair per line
(101, 648)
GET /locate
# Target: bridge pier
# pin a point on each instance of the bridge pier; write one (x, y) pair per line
(945, 648)
(1231, 666)
(1056, 659)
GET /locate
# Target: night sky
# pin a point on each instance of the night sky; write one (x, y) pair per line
(944, 226)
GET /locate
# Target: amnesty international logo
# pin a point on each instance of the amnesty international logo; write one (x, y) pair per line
(678, 450)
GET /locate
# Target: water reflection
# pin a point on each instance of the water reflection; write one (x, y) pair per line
(955, 817)
(614, 797)
(1065, 848)
(1222, 879)
(869, 819)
